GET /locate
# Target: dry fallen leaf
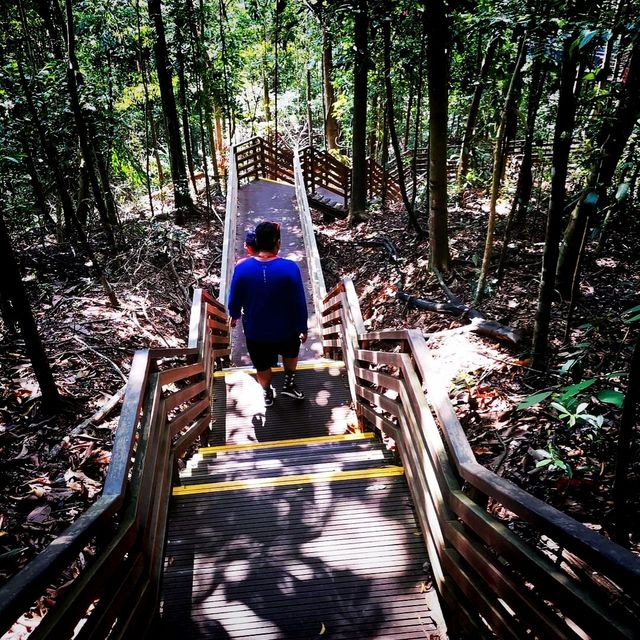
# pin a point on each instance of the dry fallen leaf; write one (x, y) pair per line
(39, 514)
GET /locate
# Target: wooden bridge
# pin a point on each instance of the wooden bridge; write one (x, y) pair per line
(360, 512)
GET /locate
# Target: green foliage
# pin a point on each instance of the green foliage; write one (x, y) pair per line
(550, 459)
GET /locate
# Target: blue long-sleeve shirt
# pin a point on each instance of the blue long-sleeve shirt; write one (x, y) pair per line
(270, 296)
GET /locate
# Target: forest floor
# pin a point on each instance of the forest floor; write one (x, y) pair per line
(48, 477)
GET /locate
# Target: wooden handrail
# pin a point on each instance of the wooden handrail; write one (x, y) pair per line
(483, 570)
(129, 519)
(311, 248)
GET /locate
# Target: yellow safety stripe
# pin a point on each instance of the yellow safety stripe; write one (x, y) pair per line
(283, 481)
(286, 443)
(303, 366)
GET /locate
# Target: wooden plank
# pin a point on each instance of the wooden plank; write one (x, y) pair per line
(498, 619)
(19, 593)
(537, 569)
(182, 396)
(188, 438)
(379, 379)
(524, 602)
(180, 373)
(187, 416)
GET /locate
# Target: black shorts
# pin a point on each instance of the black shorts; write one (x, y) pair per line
(264, 355)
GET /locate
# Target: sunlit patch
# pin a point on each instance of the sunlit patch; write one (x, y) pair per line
(454, 354)
(286, 585)
(237, 570)
(322, 398)
(299, 570)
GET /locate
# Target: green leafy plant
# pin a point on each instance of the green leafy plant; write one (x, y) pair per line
(552, 460)
(579, 414)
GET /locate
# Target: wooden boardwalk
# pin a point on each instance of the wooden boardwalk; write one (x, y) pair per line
(293, 525)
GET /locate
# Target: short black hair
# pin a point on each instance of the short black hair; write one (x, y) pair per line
(267, 236)
(250, 239)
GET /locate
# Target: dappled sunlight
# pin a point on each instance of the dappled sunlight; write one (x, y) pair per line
(458, 353)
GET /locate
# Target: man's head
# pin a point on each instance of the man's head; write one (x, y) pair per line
(267, 236)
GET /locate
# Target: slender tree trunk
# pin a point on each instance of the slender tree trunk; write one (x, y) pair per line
(499, 158)
(83, 205)
(358, 204)
(407, 120)
(204, 99)
(525, 176)
(438, 78)
(626, 445)
(81, 128)
(309, 117)
(612, 140)
(386, 34)
(222, 16)
(147, 108)
(463, 161)
(565, 121)
(156, 151)
(418, 122)
(183, 202)
(36, 184)
(12, 290)
(332, 131)
(182, 99)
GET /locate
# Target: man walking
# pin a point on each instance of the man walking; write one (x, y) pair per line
(267, 291)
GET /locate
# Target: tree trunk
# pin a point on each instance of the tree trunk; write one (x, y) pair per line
(525, 176)
(474, 108)
(438, 78)
(386, 34)
(332, 131)
(625, 446)
(407, 120)
(81, 128)
(309, 117)
(358, 204)
(565, 121)
(499, 159)
(182, 100)
(612, 139)
(183, 202)
(12, 290)
(36, 184)
(418, 121)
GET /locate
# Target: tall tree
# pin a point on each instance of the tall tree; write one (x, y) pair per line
(611, 141)
(386, 35)
(358, 204)
(12, 291)
(474, 108)
(499, 162)
(183, 202)
(565, 121)
(438, 79)
(88, 153)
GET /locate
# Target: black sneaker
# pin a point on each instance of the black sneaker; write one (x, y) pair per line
(268, 396)
(290, 388)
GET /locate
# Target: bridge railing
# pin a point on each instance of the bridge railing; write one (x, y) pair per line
(321, 169)
(167, 405)
(539, 573)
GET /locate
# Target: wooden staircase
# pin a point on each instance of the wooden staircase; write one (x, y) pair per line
(299, 538)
